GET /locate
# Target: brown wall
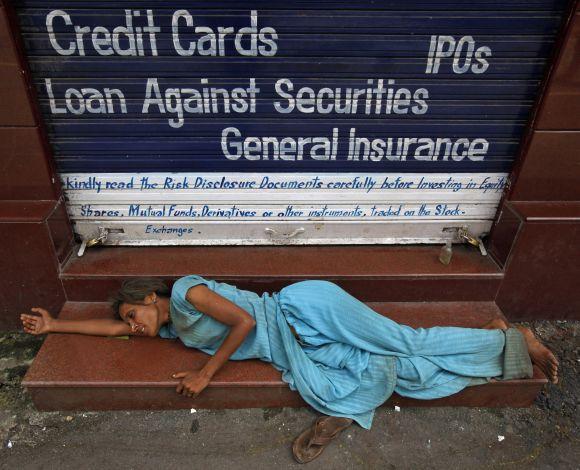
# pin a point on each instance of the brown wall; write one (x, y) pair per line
(537, 235)
(24, 172)
(552, 163)
(34, 229)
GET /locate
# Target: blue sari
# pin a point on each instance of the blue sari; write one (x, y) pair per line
(347, 359)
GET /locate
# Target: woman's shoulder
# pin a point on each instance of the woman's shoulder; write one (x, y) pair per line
(229, 291)
(182, 286)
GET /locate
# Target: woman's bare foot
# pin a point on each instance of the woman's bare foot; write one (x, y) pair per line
(495, 324)
(541, 355)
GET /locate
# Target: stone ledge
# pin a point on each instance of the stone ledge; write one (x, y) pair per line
(76, 372)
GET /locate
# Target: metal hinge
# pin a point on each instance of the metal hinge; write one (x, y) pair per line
(464, 235)
(284, 236)
(98, 240)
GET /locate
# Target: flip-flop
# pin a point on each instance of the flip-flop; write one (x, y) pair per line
(313, 440)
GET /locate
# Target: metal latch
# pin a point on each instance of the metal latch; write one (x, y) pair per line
(285, 236)
(446, 253)
(465, 236)
(98, 240)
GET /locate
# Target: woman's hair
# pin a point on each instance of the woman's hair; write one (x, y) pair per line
(134, 291)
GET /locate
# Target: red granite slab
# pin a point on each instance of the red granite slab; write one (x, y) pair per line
(26, 211)
(25, 173)
(560, 107)
(16, 110)
(548, 211)
(75, 372)
(61, 233)
(541, 280)
(28, 267)
(550, 169)
(504, 233)
(371, 273)
(287, 261)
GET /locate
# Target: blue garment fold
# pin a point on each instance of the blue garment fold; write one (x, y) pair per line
(347, 359)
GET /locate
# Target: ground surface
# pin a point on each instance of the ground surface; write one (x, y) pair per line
(545, 436)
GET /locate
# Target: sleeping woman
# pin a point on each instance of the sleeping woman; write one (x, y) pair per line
(343, 358)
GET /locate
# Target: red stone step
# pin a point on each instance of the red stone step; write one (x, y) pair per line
(76, 372)
(371, 273)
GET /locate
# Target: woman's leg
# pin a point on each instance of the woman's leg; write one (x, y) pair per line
(539, 354)
(433, 377)
(333, 313)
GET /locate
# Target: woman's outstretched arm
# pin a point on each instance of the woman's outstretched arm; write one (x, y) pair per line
(44, 323)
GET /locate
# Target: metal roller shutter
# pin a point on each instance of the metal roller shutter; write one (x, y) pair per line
(274, 122)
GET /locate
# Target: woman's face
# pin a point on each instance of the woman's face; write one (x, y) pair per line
(143, 318)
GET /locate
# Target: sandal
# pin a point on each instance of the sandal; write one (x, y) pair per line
(313, 440)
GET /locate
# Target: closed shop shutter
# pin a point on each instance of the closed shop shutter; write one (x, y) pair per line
(222, 122)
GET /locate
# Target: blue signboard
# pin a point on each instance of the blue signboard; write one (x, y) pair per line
(267, 86)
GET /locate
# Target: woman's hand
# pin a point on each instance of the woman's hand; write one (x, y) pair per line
(37, 325)
(192, 383)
